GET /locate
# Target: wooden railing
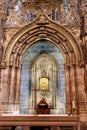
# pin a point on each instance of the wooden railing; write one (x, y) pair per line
(59, 122)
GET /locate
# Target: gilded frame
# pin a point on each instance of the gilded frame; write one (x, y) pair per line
(44, 83)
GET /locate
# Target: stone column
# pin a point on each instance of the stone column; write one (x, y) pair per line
(81, 90)
(0, 89)
(53, 87)
(76, 87)
(73, 86)
(17, 89)
(1, 52)
(4, 89)
(86, 80)
(2, 36)
(68, 87)
(1, 76)
(12, 89)
(82, 97)
(33, 86)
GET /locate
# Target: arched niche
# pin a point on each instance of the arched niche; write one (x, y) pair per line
(43, 59)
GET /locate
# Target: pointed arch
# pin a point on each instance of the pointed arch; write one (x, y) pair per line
(42, 28)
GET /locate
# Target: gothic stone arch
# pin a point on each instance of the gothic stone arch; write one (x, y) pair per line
(43, 28)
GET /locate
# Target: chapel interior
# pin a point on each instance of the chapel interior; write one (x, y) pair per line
(43, 64)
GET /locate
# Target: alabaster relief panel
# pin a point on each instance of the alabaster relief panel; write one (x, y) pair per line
(44, 79)
(42, 60)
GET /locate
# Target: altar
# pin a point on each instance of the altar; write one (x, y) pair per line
(54, 122)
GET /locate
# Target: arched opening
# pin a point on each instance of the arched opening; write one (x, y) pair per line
(43, 60)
